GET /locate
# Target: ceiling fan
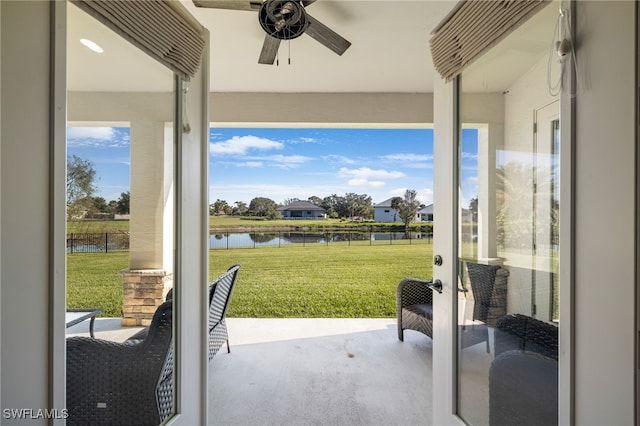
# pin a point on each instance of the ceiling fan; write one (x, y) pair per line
(283, 20)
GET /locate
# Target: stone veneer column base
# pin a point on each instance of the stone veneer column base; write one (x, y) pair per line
(144, 291)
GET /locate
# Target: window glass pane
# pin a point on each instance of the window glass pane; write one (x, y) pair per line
(508, 231)
(120, 229)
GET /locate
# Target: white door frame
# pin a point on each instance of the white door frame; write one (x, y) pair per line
(445, 210)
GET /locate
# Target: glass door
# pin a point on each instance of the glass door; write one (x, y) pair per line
(500, 348)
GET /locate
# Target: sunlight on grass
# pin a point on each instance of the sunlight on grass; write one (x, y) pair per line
(94, 280)
(314, 281)
(321, 281)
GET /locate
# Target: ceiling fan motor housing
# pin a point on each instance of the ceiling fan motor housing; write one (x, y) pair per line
(283, 19)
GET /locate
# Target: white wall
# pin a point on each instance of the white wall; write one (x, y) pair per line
(526, 95)
(604, 244)
(382, 215)
(251, 108)
(322, 107)
(25, 227)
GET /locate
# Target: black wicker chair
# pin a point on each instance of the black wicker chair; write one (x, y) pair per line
(523, 379)
(488, 287)
(414, 307)
(220, 292)
(129, 383)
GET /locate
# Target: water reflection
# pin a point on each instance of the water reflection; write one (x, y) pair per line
(256, 239)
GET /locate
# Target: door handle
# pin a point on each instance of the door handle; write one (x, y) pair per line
(435, 285)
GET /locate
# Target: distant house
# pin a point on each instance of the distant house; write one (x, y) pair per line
(302, 210)
(425, 214)
(382, 212)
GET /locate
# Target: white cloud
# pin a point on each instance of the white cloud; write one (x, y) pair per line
(366, 183)
(278, 193)
(304, 140)
(240, 145)
(338, 159)
(104, 133)
(367, 173)
(97, 137)
(251, 164)
(366, 177)
(408, 157)
(281, 161)
(411, 160)
(469, 155)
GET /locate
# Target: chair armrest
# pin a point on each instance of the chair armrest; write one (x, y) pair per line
(413, 291)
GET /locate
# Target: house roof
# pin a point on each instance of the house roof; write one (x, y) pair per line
(301, 205)
(426, 210)
(386, 203)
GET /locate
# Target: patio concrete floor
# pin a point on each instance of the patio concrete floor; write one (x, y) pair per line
(313, 372)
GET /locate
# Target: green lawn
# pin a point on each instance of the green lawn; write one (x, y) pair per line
(93, 280)
(96, 226)
(321, 281)
(334, 280)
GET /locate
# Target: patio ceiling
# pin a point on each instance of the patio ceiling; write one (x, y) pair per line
(389, 52)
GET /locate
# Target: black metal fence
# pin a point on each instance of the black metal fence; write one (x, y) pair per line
(97, 242)
(119, 241)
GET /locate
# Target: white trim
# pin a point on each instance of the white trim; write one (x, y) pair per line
(445, 152)
(192, 254)
(57, 206)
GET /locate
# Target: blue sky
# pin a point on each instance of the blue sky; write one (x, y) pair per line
(300, 163)
(283, 163)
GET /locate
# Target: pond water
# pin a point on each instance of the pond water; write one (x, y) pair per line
(258, 239)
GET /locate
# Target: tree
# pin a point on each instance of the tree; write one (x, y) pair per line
(262, 206)
(112, 207)
(408, 208)
(316, 201)
(395, 205)
(220, 207)
(99, 204)
(289, 201)
(122, 206)
(473, 208)
(240, 208)
(81, 175)
(350, 205)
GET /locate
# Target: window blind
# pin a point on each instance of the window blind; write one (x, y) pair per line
(473, 27)
(161, 28)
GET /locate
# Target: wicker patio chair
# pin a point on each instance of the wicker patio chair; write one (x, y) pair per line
(129, 383)
(220, 290)
(523, 379)
(220, 293)
(488, 287)
(414, 307)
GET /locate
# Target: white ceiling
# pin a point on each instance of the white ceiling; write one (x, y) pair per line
(389, 51)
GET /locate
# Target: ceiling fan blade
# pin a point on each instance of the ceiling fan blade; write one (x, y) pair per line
(269, 50)
(229, 4)
(306, 3)
(326, 36)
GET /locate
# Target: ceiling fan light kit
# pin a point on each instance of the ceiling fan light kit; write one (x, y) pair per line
(283, 20)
